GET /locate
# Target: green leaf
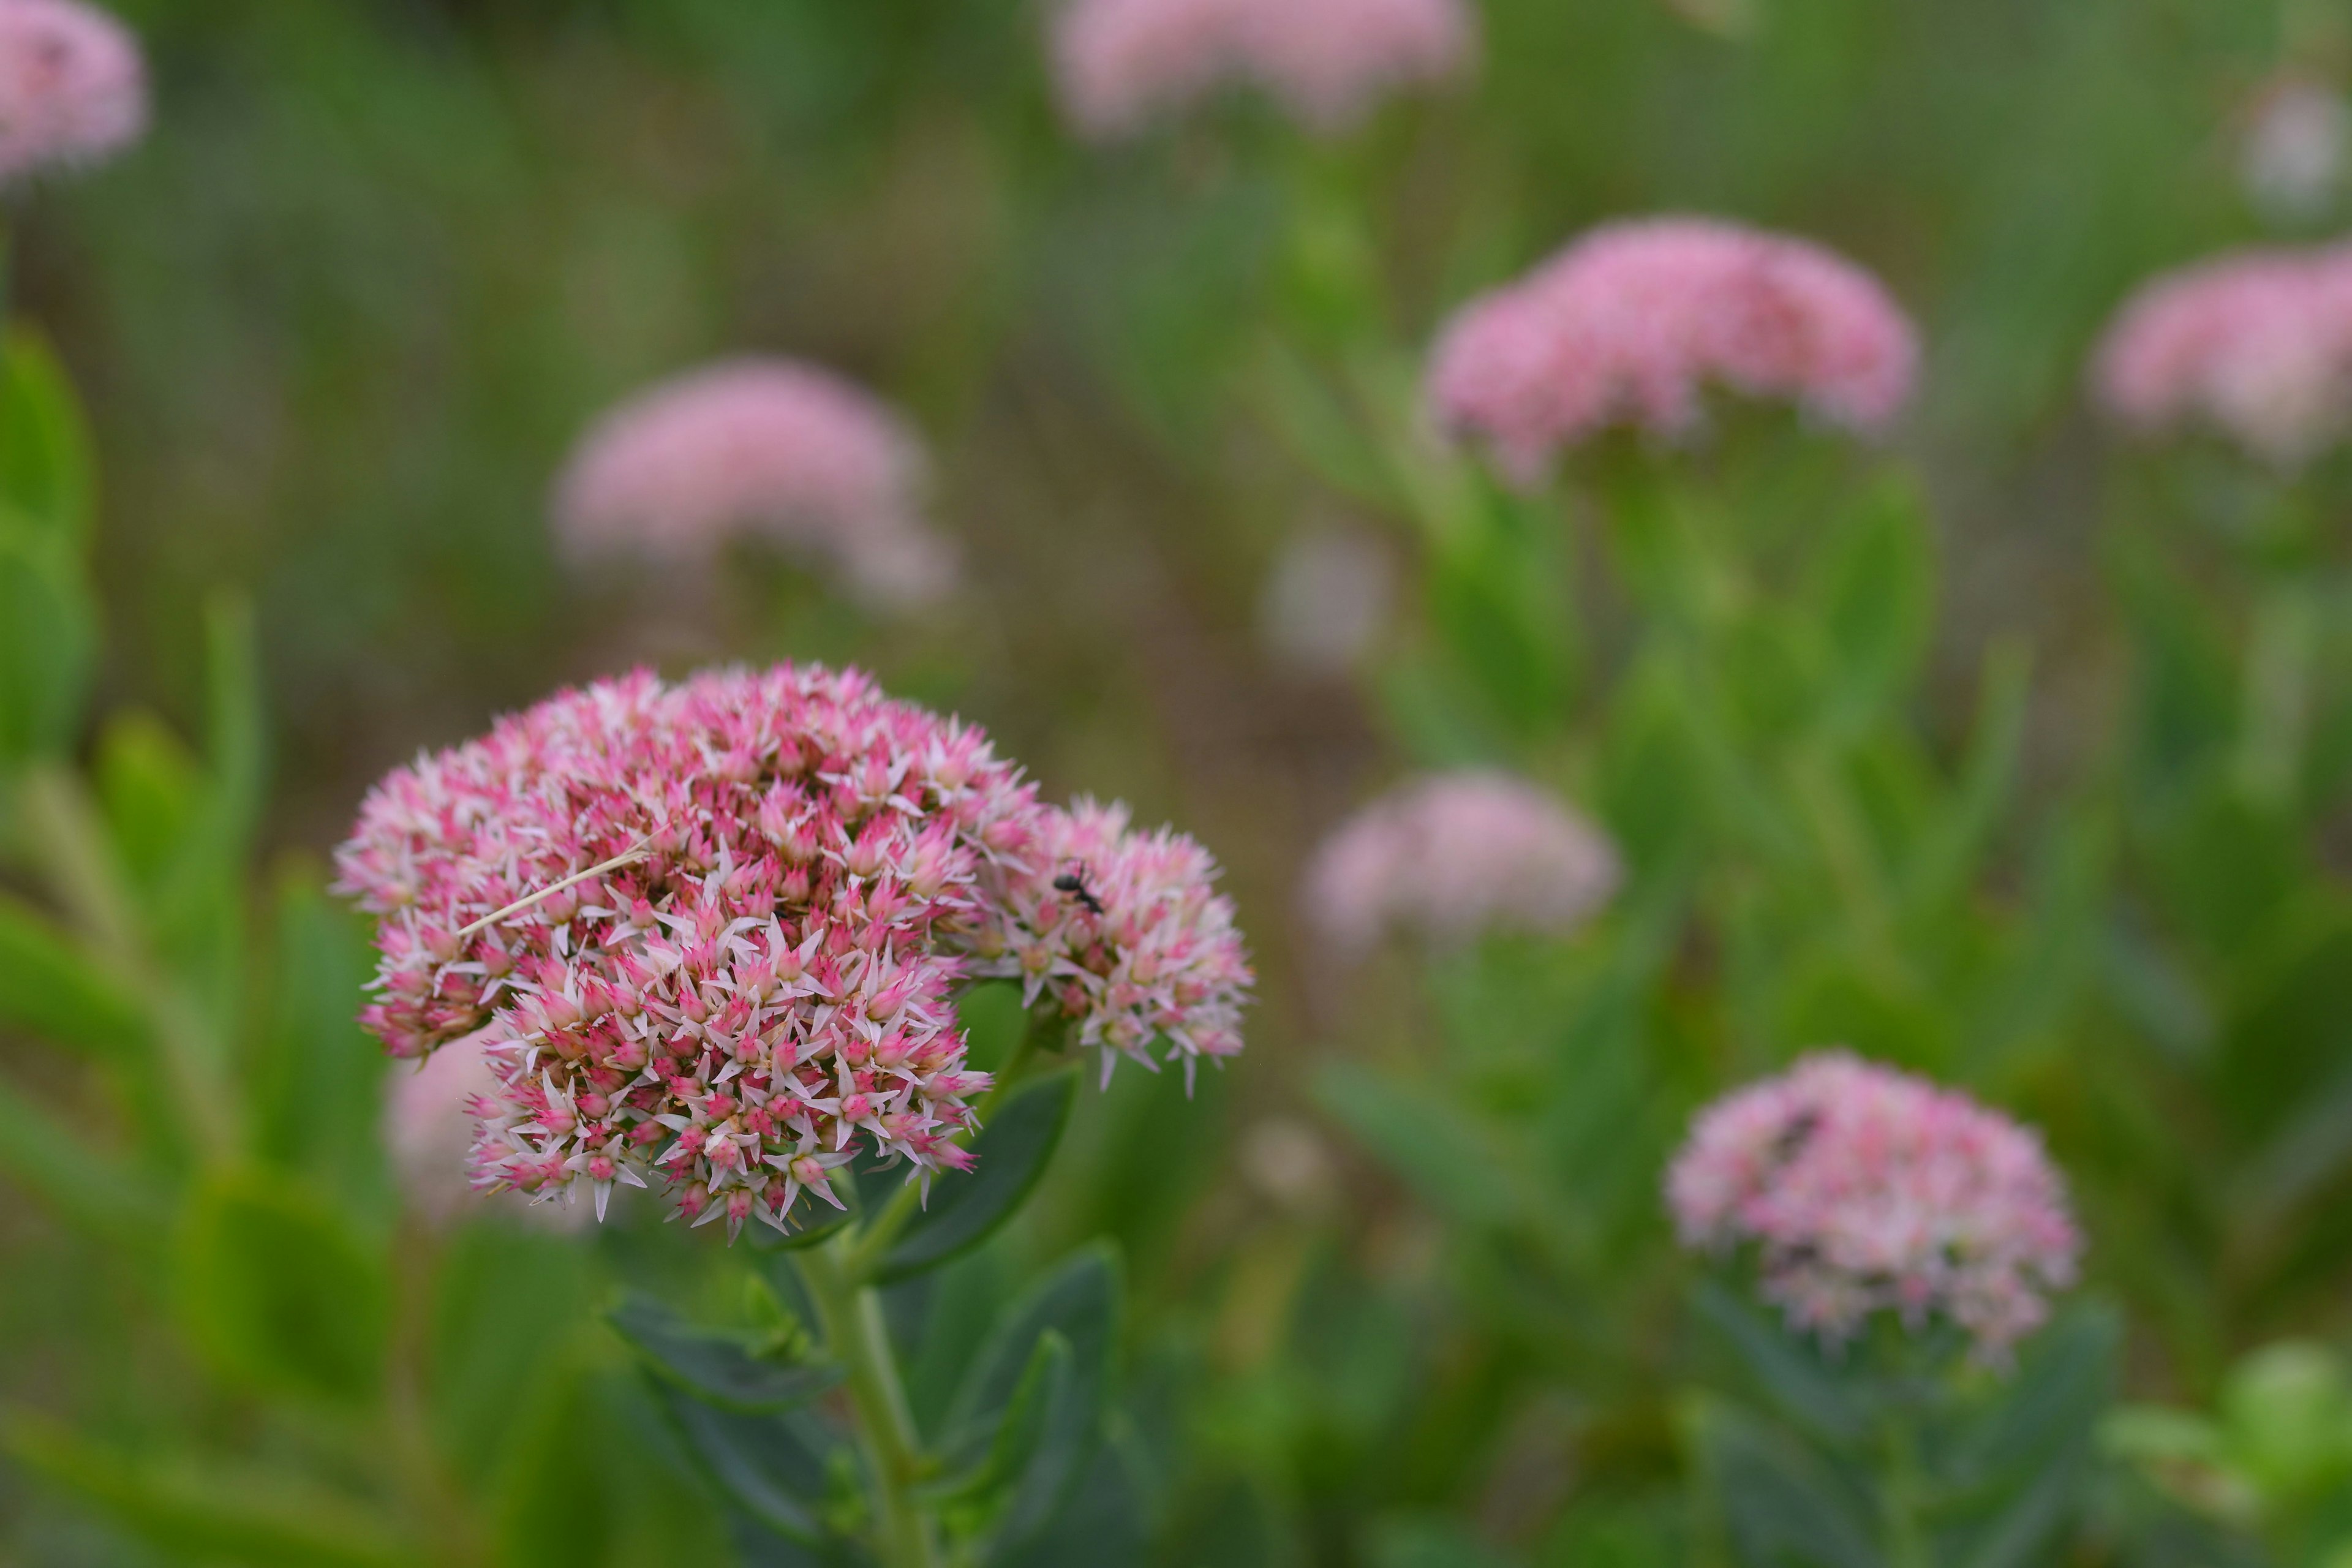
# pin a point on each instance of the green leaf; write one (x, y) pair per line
(206, 1514)
(1789, 1372)
(40, 1154)
(1101, 1520)
(151, 788)
(1451, 1164)
(1009, 1157)
(51, 990)
(717, 1368)
(45, 469)
(772, 1467)
(2014, 1482)
(1079, 1301)
(275, 1291)
(506, 1301)
(49, 644)
(554, 1507)
(1875, 600)
(1782, 1504)
(317, 1078)
(1020, 1432)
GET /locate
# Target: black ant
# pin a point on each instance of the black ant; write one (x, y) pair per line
(1074, 884)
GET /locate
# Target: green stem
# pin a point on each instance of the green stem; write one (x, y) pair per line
(851, 1316)
(1898, 1492)
(64, 835)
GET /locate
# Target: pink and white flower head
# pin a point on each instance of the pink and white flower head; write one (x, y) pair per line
(73, 87)
(765, 447)
(1126, 932)
(430, 1113)
(1452, 856)
(1631, 322)
(2257, 344)
(1864, 1189)
(1123, 63)
(710, 933)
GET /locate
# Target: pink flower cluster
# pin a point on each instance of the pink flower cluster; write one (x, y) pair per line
(73, 89)
(1865, 1188)
(430, 1111)
(1123, 63)
(1628, 325)
(2257, 344)
(1125, 935)
(711, 931)
(764, 447)
(1452, 854)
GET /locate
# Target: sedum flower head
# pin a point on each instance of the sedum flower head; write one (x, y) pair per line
(1126, 932)
(2257, 344)
(1123, 63)
(1628, 325)
(708, 933)
(757, 446)
(1452, 854)
(73, 87)
(1864, 1189)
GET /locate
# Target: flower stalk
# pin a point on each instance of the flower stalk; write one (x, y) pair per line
(850, 1314)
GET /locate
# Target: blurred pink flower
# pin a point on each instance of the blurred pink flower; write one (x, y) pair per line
(757, 446)
(1122, 63)
(1630, 322)
(1865, 1189)
(73, 87)
(430, 1113)
(710, 933)
(1454, 854)
(2257, 343)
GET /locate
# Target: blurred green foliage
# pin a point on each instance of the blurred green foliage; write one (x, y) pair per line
(2006, 755)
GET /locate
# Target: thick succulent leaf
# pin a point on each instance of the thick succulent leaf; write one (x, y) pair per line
(276, 1291)
(1079, 1300)
(1781, 1504)
(1023, 1430)
(46, 471)
(205, 1514)
(50, 989)
(48, 645)
(772, 1466)
(966, 1207)
(1789, 1374)
(719, 1369)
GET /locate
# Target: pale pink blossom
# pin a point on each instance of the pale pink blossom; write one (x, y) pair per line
(1123, 63)
(1126, 932)
(73, 87)
(2257, 344)
(1863, 1189)
(2298, 136)
(1629, 325)
(711, 933)
(430, 1111)
(764, 448)
(1451, 856)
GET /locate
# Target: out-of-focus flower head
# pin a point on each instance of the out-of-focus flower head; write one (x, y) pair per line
(2257, 344)
(757, 979)
(1864, 1189)
(430, 1114)
(2298, 136)
(757, 446)
(73, 87)
(1126, 932)
(1326, 601)
(1451, 856)
(1123, 63)
(1629, 323)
